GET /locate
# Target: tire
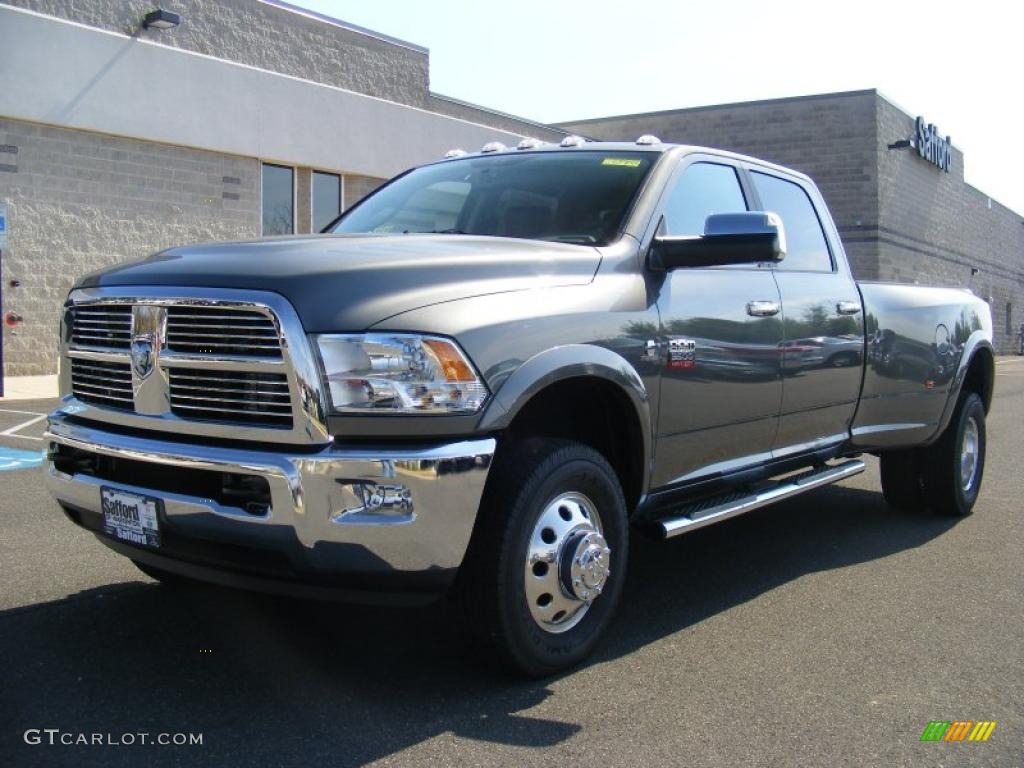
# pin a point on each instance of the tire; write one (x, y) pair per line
(545, 500)
(901, 479)
(159, 574)
(952, 467)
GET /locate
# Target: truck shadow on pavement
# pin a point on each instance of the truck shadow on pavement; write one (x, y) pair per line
(268, 680)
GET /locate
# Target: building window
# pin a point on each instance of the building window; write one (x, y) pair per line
(326, 199)
(278, 200)
(1009, 318)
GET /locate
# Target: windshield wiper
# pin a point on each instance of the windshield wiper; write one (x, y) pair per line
(435, 232)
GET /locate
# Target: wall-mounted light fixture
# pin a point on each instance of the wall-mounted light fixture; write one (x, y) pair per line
(974, 271)
(902, 144)
(161, 19)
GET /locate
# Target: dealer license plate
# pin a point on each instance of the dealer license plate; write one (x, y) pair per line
(130, 517)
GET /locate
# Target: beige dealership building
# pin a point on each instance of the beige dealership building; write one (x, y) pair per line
(251, 117)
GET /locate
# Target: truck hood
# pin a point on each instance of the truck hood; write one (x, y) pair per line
(351, 282)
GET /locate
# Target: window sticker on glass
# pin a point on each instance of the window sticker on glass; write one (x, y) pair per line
(621, 161)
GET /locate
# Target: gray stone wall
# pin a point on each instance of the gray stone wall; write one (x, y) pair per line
(303, 201)
(934, 228)
(831, 138)
(79, 202)
(265, 36)
(280, 40)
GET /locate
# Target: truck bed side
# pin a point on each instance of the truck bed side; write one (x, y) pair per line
(919, 342)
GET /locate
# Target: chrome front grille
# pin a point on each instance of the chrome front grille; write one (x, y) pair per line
(107, 325)
(217, 331)
(256, 398)
(102, 383)
(202, 361)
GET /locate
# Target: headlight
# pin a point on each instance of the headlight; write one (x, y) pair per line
(399, 373)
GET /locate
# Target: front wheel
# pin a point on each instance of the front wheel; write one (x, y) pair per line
(548, 557)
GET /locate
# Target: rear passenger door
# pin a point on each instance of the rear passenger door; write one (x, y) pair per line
(823, 351)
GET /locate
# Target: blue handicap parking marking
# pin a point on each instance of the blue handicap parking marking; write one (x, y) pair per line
(12, 458)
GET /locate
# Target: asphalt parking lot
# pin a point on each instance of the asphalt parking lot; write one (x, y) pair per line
(826, 631)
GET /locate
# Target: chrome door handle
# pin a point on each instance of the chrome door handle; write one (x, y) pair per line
(763, 308)
(848, 307)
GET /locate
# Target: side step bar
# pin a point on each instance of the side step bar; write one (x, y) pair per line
(694, 516)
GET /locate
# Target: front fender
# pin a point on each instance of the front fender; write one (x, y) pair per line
(568, 362)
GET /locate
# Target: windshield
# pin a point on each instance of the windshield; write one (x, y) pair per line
(570, 197)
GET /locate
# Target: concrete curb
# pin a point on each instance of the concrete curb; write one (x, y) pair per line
(29, 388)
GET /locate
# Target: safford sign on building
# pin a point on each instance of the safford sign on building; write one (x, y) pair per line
(124, 131)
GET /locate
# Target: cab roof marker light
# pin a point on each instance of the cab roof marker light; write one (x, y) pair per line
(572, 141)
(530, 143)
(494, 146)
(455, 153)
(647, 139)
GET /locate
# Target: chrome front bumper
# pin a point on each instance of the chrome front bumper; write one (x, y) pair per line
(374, 511)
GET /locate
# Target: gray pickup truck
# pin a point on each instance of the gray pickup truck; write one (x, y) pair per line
(480, 378)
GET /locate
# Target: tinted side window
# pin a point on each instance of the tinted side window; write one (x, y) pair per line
(703, 189)
(806, 247)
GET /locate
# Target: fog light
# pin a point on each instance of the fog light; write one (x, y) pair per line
(371, 503)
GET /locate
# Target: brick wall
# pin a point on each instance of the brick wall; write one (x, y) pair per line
(80, 202)
(303, 201)
(264, 36)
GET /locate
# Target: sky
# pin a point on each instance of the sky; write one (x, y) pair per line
(960, 65)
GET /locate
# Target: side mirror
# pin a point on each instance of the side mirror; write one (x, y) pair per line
(729, 238)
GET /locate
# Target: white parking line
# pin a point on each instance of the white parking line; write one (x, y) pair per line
(1011, 360)
(12, 432)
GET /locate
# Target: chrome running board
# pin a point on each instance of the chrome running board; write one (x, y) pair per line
(694, 516)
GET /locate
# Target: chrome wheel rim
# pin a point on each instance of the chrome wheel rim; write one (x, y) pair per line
(567, 562)
(969, 455)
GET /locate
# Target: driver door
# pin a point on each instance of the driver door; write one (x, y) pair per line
(721, 386)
